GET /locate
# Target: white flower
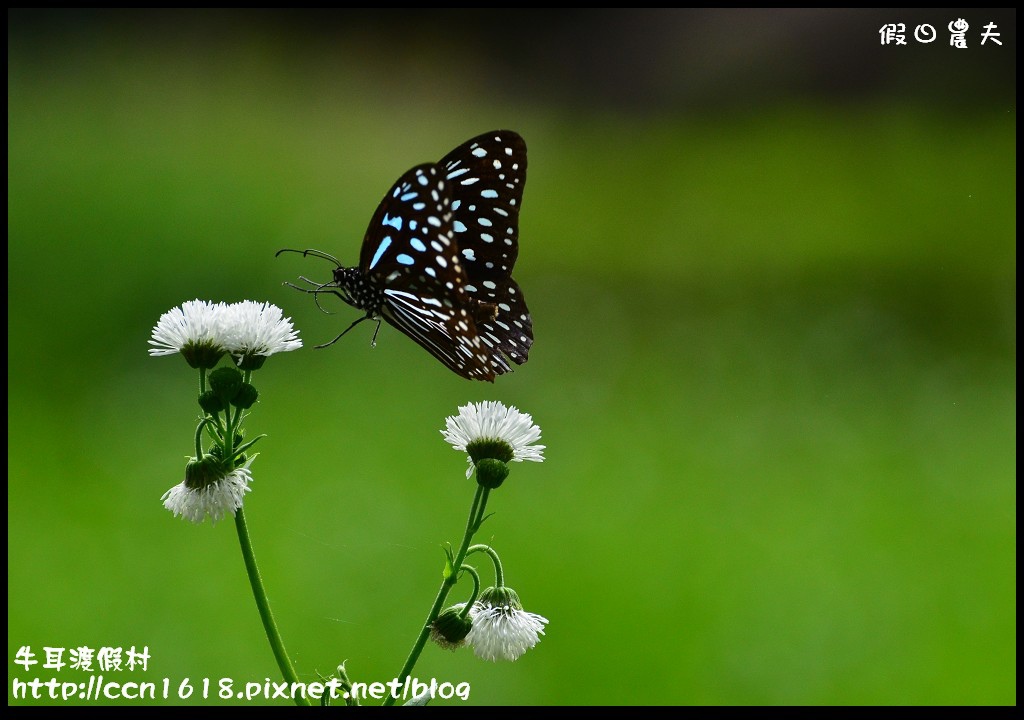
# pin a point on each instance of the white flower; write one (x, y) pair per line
(195, 323)
(259, 329)
(481, 428)
(502, 630)
(216, 499)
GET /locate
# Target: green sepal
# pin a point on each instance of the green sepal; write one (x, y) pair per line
(490, 448)
(250, 362)
(491, 473)
(202, 355)
(501, 597)
(449, 563)
(200, 473)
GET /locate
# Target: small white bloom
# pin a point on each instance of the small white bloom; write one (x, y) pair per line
(217, 499)
(489, 422)
(259, 329)
(196, 322)
(503, 631)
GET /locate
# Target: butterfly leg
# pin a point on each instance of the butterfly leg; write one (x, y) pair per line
(364, 317)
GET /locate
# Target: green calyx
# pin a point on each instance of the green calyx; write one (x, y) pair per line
(501, 597)
(202, 355)
(203, 472)
(494, 449)
(491, 473)
(250, 361)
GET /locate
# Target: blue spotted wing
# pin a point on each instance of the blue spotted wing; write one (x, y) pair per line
(487, 176)
(437, 258)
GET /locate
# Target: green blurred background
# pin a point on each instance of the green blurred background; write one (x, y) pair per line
(772, 270)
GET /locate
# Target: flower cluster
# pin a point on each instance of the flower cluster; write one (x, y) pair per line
(496, 626)
(202, 332)
(217, 478)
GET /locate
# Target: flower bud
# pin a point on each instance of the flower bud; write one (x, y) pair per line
(211, 403)
(246, 397)
(491, 473)
(450, 629)
(226, 382)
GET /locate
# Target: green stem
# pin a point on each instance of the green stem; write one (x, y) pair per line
(499, 576)
(263, 604)
(199, 435)
(233, 420)
(235, 414)
(475, 518)
(476, 589)
(228, 433)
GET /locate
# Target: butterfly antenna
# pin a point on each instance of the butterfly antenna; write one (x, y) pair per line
(311, 253)
(317, 288)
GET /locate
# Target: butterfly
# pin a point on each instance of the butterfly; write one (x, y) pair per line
(437, 258)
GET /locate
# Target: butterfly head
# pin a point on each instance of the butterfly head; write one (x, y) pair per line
(349, 284)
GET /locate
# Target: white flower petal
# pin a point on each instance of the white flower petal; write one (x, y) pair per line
(218, 499)
(491, 420)
(503, 632)
(195, 322)
(259, 329)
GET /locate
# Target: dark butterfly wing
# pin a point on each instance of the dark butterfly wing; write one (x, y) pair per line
(409, 252)
(443, 330)
(487, 176)
(410, 230)
(437, 258)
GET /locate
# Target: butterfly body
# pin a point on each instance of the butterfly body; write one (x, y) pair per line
(437, 258)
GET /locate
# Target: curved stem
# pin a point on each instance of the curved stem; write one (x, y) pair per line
(199, 435)
(476, 512)
(499, 576)
(263, 604)
(476, 589)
